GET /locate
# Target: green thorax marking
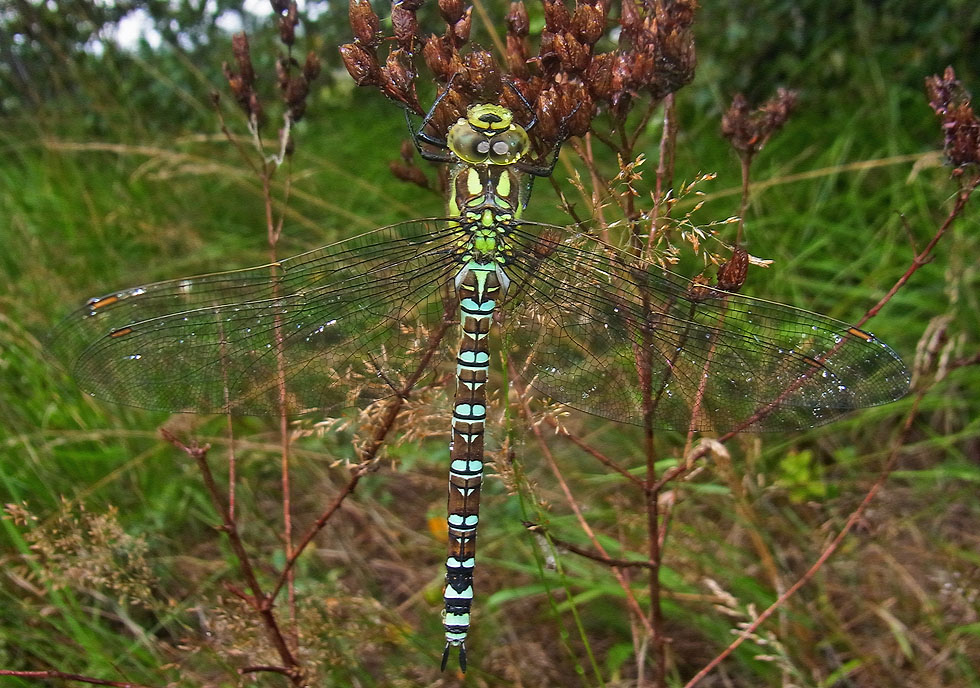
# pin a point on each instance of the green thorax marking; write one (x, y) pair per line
(486, 187)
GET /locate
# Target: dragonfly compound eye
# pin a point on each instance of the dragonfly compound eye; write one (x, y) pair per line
(467, 144)
(510, 146)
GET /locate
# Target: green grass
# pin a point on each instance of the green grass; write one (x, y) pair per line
(897, 604)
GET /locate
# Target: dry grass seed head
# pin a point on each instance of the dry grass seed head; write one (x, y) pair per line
(90, 553)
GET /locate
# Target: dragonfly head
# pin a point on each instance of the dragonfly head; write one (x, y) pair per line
(488, 134)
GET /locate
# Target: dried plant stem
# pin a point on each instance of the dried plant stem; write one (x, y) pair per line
(744, 205)
(264, 668)
(262, 603)
(50, 674)
(665, 170)
(593, 452)
(582, 552)
(655, 559)
(232, 139)
(232, 466)
(655, 532)
(273, 232)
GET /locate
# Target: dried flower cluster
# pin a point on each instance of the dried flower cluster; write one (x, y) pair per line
(88, 552)
(565, 83)
(749, 130)
(961, 128)
(292, 78)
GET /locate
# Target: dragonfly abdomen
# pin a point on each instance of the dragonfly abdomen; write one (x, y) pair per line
(479, 286)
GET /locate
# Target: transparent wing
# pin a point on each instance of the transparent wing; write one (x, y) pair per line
(587, 326)
(339, 326)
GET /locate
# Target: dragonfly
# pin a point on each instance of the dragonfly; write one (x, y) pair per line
(584, 323)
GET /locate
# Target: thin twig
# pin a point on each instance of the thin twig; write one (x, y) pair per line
(50, 674)
(575, 549)
(562, 431)
(259, 601)
(264, 667)
(744, 205)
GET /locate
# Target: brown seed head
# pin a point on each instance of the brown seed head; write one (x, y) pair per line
(283, 64)
(406, 26)
(961, 127)
(573, 56)
(461, 29)
(287, 24)
(365, 23)
(676, 63)
(517, 57)
(311, 67)
(236, 85)
(577, 109)
(243, 58)
(295, 96)
(631, 20)
(548, 108)
(407, 151)
(556, 16)
(438, 56)
(731, 275)
(361, 65)
(643, 70)
(589, 22)
(547, 60)
(409, 173)
(599, 76)
(398, 80)
(750, 130)
(451, 10)
(517, 21)
(480, 76)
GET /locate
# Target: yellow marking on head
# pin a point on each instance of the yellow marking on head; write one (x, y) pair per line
(489, 118)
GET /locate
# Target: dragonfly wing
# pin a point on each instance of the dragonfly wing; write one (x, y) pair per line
(589, 326)
(336, 327)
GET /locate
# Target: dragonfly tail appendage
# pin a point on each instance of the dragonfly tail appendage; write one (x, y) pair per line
(462, 656)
